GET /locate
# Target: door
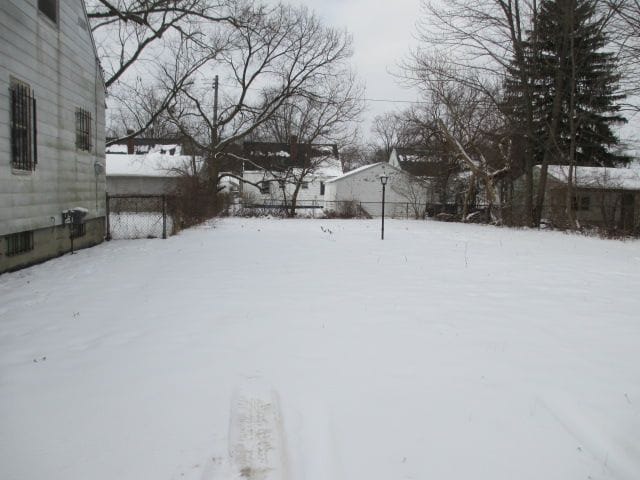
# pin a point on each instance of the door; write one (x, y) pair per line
(627, 212)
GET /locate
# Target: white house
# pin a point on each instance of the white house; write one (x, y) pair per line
(148, 169)
(363, 187)
(51, 131)
(275, 169)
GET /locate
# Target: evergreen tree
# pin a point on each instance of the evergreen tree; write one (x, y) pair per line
(574, 80)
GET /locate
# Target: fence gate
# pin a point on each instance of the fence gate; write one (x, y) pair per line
(138, 216)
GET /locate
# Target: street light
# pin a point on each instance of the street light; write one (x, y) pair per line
(383, 181)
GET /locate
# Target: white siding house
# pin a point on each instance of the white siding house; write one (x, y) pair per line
(363, 187)
(51, 130)
(284, 167)
(312, 189)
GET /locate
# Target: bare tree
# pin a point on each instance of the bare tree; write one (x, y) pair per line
(325, 113)
(388, 131)
(133, 39)
(476, 43)
(271, 56)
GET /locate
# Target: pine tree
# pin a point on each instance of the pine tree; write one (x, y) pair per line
(575, 80)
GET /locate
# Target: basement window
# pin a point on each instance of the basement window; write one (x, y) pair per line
(19, 243)
(49, 8)
(78, 230)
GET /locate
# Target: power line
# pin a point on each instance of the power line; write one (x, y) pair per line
(387, 100)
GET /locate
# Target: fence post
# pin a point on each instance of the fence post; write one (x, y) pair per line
(107, 212)
(164, 217)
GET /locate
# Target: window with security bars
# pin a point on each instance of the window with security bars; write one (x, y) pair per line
(83, 129)
(24, 153)
(78, 230)
(19, 243)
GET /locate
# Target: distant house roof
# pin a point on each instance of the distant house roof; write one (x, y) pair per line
(364, 168)
(142, 145)
(165, 160)
(622, 178)
(277, 156)
(417, 162)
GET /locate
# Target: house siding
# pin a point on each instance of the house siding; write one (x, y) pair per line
(306, 196)
(132, 185)
(364, 187)
(58, 63)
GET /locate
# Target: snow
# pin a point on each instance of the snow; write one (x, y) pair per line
(158, 162)
(117, 148)
(312, 350)
(362, 169)
(627, 178)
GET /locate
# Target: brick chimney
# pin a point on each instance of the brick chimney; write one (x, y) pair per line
(293, 149)
(130, 143)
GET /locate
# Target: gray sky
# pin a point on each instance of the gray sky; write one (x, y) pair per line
(382, 34)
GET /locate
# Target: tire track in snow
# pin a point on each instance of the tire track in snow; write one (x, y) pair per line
(257, 449)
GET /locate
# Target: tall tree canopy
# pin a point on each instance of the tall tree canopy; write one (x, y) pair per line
(575, 85)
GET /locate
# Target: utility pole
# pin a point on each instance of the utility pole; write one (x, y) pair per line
(214, 136)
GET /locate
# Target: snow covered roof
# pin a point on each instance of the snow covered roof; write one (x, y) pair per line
(622, 178)
(160, 161)
(364, 168)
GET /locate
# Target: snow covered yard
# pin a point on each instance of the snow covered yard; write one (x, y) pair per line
(311, 350)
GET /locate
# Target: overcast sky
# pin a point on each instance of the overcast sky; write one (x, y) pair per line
(382, 34)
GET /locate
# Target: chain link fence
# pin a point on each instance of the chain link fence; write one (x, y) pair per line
(341, 209)
(610, 214)
(139, 216)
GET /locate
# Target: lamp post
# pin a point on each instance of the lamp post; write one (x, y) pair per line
(383, 181)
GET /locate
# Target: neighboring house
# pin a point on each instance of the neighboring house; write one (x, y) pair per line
(147, 167)
(51, 131)
(276, 169)
(606, 197)
(363, 187)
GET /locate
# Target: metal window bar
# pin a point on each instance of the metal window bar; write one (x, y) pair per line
(78, 230)
(23, 128)
(83, 129)
(19, 243)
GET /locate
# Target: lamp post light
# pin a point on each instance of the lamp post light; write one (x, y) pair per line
(383, 181)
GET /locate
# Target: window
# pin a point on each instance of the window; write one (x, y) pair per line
(83, 129)
(19, 243)
(49, 8)
(321, 188)
(264, 188)
(585, 203)
(23, 127)
(304, 185)
(581, 203)
(78, 230)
